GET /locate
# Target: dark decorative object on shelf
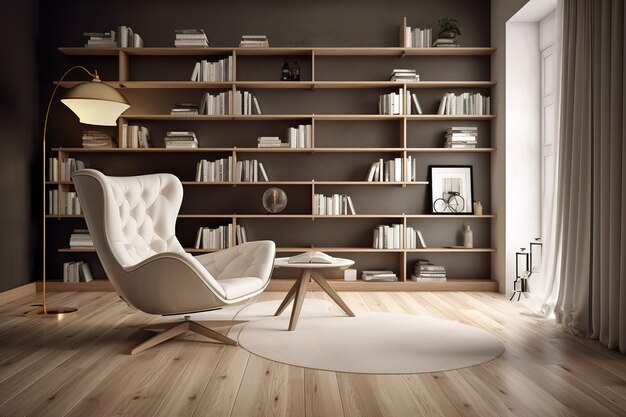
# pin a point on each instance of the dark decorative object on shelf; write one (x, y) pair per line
(290, 71)
(449, 27)
(522, 273)
(274, 200)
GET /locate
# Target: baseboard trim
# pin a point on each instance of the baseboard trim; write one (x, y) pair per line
(13, 294)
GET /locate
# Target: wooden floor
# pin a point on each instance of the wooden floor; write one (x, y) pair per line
(79, 367)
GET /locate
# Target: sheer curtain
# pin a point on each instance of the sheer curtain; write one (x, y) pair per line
(588, 234)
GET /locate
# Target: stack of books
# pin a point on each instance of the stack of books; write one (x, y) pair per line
(220, 237)
(80, 238)
(334, 205)
(185, 109)
(205, 71)
(447, 42)
(98, 139)
(67, 203)
(425, 271)
(388, 236)
(175, 139)
(126, 38)
(382, 275)
(254, 41)
(300, 137)
(461, 137)
(190, 38)
(418, 38)
(76, 272)
(135, 136)
(404, 75)
(465, 103)
(387, 171)
(414, 239)
(214, 171)
(271, 142)
(250, 171)
(101, 39)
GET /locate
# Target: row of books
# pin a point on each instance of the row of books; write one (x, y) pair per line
(80, 238)
(97, 139)
(414, 239)
(461, 137)
(179, 139)
(66, 202)
(244, 103)
(220, 237)
(214, 171)
(135, 136)
(399, 103)
(388, 236)
(205, 71)
(386, 171)
(78, 271)
(426, 271)
(250, 171)
(254, 41)
(404, 75)
(334, 205)
(383, 275)
(418, 38)
(465, 103)
(300, 137)
(190, 38)
(63, 171)
(124, 37)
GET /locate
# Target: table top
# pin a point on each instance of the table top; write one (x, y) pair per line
(337, 263)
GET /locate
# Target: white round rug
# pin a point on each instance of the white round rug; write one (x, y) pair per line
(371, 343)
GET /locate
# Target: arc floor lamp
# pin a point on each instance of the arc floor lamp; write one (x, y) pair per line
(95, 103)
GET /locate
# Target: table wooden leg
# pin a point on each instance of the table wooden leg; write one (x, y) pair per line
(300, 295)
(290, 295)
(319, 278)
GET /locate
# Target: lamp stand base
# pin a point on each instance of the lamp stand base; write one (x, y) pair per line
(51, 312)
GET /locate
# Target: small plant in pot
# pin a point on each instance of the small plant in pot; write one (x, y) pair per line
(449, 28)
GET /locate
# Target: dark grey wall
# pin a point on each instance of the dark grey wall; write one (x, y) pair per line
(287, 23)
(20, 214)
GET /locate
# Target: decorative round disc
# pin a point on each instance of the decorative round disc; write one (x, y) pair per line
(274, 200)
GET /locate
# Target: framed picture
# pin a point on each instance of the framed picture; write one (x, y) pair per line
(451, 189)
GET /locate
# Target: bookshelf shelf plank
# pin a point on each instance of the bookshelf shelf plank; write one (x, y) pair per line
(284, 284)
(309, 216)
(323, 249)
(285, 84)
(321, 51)
(269, 150)
(339, 117)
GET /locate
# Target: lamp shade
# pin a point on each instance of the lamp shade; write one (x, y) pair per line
(95, 103)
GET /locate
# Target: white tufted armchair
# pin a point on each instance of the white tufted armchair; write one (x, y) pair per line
(132, 223)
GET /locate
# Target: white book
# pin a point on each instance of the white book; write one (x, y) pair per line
(420, 239)
(351, 206)
(263, 173)
(85, 272)
(301, 140)
(308, 136)
(381, 170)
(255, 170)
(257, 108)
(398, 169)
(408, 37)
(372, 171)
(195, 74)
(416, 103)
(442, 105)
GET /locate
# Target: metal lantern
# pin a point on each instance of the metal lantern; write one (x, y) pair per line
(536, 255)
(522, 273)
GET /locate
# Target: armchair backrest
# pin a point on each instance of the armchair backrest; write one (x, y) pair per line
(129, 218)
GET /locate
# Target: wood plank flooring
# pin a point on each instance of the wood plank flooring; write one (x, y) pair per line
(79, 366)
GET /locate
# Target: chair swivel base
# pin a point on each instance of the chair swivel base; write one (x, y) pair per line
(168, 331)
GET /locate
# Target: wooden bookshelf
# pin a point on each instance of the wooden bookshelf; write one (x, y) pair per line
(394, 136)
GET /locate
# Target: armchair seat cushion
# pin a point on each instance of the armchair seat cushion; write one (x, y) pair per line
(238, 287)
